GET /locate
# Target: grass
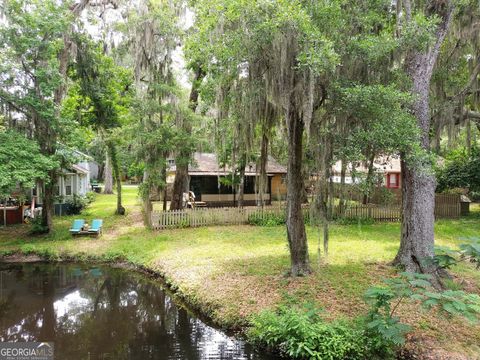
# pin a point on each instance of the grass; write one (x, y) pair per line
(232, 272)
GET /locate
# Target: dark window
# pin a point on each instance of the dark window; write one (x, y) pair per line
(208, 185)
(249, 185)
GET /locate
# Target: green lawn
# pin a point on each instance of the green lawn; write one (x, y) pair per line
(232, 272)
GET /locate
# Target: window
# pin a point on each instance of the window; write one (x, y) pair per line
(68, 186)
(171, 162)
(393, 180)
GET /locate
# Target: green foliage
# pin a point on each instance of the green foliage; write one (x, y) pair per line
(419, 33)
(382, 121)
(90, 197)
(460, 171)
(300, 333)
(471, 252)
(31, 39)
(266, 219)
(76, 204)
(444, 257)
(37, 227)
(384, 301)
(21, 162)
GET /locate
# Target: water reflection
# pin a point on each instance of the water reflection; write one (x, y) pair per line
(104, 313)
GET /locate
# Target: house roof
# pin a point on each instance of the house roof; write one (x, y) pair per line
(207, 164)
(80, 169)
(382, 164)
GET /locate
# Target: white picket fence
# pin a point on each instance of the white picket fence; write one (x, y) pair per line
(210, 216)
(446, 206)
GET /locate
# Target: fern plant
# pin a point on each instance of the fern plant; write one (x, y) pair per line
(385, 301)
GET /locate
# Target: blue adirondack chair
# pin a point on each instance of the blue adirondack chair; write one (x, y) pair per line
(96, 227)
(77, 226)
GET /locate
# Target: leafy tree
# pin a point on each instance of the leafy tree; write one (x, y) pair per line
(152, 33)
(106, 88)
(461, 170)
(423, 28)
(32, 57)
(21, 162)
(279, 45)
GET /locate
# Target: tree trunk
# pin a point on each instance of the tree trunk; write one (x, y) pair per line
(108, 178)
(241, 185)
(297, 238)
(342, 202)
(418, 180)
(263, 177)
(117, 176)
(5, 213)
(369, 180)
(147, 209)
(180, 184)
(48, 204)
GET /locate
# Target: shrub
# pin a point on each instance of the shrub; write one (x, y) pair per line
(384, 300)
(300, 333)
(90, 197)
(36, 226)
(272, 219)
(267, 219)
(76, 204)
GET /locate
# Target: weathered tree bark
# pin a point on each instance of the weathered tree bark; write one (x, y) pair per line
(297, 238)
(47, 139)
(117, 176)
(108, 177)
(369, 179)
(181, 182)
(342, 202)
(418, 180)
(241, 185)
(48, 205)
(147, 203)
(263, 177)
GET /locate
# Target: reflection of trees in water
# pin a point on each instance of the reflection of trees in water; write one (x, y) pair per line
(105, 312)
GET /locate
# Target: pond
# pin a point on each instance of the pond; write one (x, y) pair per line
(99, 312)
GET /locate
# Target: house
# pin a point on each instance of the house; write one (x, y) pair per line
(206, 176)
(71, 181)
(387, 166)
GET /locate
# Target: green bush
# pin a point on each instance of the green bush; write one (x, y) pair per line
(90, 197)
(300, 333)
(461, 170)
(36, 226)
(384, 300)
(268, 219)
(76, 204)
(272, 219)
